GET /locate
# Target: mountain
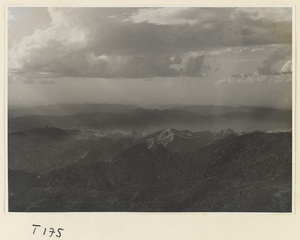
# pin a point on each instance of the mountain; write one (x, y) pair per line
(109, 157)
(150, 120)
(67, 109)
(225, 132)
(185, 141)
(50, 132)
(45, 149)
(255, 169)
(251, 172)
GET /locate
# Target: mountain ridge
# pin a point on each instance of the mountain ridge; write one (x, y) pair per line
(155, 179)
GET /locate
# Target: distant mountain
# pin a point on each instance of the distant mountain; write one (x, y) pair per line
(147, 120)
(67, 109)
(208, 110)
(71, 109)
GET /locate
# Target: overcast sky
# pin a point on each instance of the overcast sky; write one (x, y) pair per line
(224, 56)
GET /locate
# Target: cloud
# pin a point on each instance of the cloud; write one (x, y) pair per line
(138, 67)
(246, 59)
(11, 17)
(277, 67)
(220, 51)
(229, 26)
(16, 76)
(287, 67)
(242, 75)
(146, 42)
(268, 66)
(195, 67)
(46, 81)
(164, 16)
(207, 16)
(176, 60)
(29, 81)
(250, 78)
(257, 49)
(268, 14)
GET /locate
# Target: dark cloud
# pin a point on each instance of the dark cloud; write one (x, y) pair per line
(176, 60)
(195, 67)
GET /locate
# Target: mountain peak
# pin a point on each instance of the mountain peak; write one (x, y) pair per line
(226, 132)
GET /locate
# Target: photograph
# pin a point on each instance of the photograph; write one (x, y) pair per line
(150, 109)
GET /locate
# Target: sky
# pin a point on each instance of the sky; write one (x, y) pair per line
(145, 56)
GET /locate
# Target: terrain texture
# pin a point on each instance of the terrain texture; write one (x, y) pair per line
(100, 157)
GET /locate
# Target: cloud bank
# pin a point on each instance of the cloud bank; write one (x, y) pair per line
(146, 42)
(277, 67)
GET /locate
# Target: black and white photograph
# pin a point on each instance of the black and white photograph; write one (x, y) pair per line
(150, 109)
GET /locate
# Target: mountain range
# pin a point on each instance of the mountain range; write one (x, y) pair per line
(151, 160)
(150, 120)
